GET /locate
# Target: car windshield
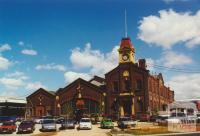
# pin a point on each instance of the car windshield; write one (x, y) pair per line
(26, 123)
(7, 124)
(163, 117)
(125, 119)
(108, 120)
(69, 120)
(48, 121)
(85, 120)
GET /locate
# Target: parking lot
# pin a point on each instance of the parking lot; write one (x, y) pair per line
(96, 131)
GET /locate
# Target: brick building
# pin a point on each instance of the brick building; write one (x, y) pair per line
(128, 89)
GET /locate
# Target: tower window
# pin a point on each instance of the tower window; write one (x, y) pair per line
(115, 86)
(138, 85)
(127, 85)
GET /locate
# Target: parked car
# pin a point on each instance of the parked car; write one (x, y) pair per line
(26, 126)
(95, 118)
(153, 118)
(162, 120)
(144, 117)
(68, 123)
(125, 122)
(60, 120)
(49, 125)
(8, 127)
(106, 123)
(85, 123)
(38, 120)
(198, 118)
(47, 117)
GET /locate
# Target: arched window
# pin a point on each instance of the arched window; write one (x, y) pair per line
(115, 86)
(91, 106)
(127, 85)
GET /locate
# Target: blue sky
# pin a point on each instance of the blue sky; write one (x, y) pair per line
(49, 43)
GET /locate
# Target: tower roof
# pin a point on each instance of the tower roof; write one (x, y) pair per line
(126, 43)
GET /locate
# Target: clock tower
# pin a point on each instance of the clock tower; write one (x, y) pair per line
(126, 51)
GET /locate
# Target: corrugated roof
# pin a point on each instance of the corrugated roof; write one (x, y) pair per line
(184, 105)
(12, 100)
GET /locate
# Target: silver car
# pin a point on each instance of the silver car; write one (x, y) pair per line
(125, 122)
(49, 125)
(68, 123)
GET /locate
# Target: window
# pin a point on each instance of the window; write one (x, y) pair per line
(138, 85)
(115, 86)
(91, 106)
(127, 85)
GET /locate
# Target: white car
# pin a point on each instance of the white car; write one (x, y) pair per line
(85, 123)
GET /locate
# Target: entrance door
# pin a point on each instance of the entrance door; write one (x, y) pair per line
(40, 111)
(127, 106)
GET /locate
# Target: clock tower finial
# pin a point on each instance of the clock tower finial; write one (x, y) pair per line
(125, 25)
(126, 51)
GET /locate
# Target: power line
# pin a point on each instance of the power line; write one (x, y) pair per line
(174, 69)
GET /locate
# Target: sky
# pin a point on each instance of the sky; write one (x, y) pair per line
(50, 43)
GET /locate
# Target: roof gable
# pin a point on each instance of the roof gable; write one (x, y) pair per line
(42, 90)
(80, 81)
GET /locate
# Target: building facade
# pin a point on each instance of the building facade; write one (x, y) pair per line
(127, 90)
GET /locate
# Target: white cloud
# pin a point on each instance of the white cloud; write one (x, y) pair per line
(96, 62)
(5, 47)
(186, 86)
(171, 58)
(70, 76)
(17, 74)
(14, 80)
(99, 63)
(4, 63)
(29, 52)
(18, 80)
(11, 83)
(34, 86)
(51, 66)
(170, 28)
(150, 63)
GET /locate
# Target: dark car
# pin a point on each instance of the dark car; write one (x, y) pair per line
(162, 120)
(60, 120)
(153, 118)
(68, 123)
(144, 117)
(8, 127)
(125, 122)
(95, 118)
(26, 126)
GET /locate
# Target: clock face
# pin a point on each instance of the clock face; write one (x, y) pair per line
(126, 73)
(125, 57)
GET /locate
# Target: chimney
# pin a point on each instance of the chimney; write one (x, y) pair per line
(142, 63)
